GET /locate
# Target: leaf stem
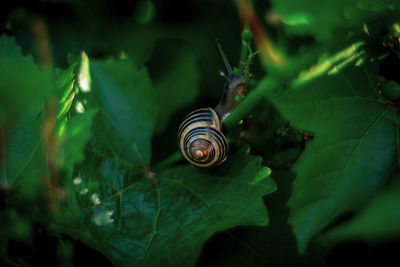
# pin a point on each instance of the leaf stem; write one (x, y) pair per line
(244, 52)
(251, 100)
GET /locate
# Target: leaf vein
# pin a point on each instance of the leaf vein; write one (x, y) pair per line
(155, 224)
(188, 189)
(372, 126)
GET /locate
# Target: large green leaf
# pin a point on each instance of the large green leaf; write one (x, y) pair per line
(128, 110)
(353, 149)
(378, 220)
(22, 142)
(164, 221)
(23, 91)
(135, 216)
(76, 135)
(274, 245)
(23, 88)
(21, 80)
(73, 119)
(327, 20)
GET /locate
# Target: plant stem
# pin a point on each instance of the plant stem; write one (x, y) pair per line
(251, 100)
(243, 56)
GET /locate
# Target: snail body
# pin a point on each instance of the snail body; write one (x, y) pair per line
(200, 139)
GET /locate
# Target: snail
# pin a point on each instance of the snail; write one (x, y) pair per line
(200, 139)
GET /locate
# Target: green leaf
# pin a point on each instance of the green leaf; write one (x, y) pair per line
(15, 226)
(164, 221)
(378, 220)
(23, 88)
(18, 217)
(274, 245)
(330, 20)
(22, 143)
(22, 82)
(130, 218)
(77, 134)
(73, 128)
(353, 149)
(127, 117)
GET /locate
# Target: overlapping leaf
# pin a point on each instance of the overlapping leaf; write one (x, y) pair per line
(28, 136)
(135, 220)
(378, 220)
(274, 245)
(136, 217)
(128, 109)
(353, 149)
(23, 88)
(22, 82)
(74, 120)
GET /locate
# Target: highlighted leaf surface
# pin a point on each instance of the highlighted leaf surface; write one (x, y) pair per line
(353, 149)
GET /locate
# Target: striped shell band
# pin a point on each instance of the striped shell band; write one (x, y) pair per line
(200, 140)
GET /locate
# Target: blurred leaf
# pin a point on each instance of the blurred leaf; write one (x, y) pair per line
(84, 79)
(22, 142)
(128, 109)
(141, 51)
(144, 11)
(378, 220)
(24, 202)
(23, 88)
(22, 82)
(65, 84)
(135, 220)
(391, 90)
(353, 149)
(76, 136)
(177, 81)
(330, 20)
(73, 126)
(15, 226)
(25, 173)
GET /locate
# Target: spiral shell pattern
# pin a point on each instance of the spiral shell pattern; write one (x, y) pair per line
(200, 140)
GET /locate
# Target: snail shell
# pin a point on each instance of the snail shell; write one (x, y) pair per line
(201, 141)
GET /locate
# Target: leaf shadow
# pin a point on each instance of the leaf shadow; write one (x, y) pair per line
(262, 246)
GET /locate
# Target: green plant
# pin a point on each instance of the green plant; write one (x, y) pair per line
(89, 117)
